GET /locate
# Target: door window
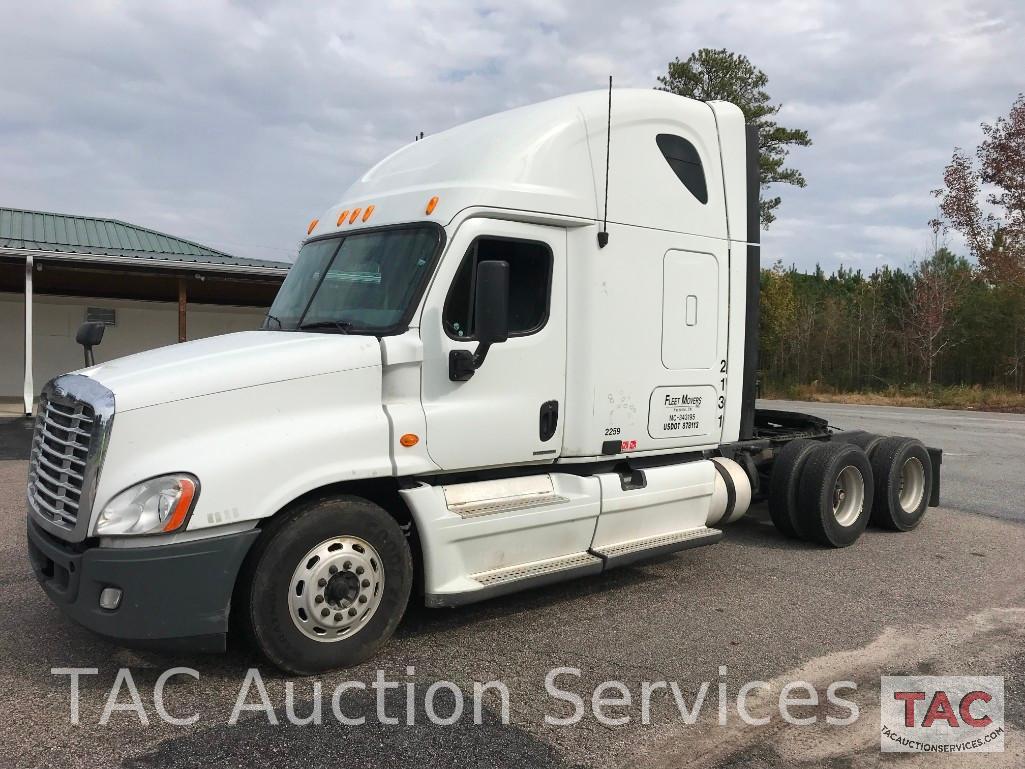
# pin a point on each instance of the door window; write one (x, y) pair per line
(530, 284)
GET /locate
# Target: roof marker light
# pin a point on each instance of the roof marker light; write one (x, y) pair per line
(431, 205)
(355, 215)
(368, 212)
(313, 224)
(342, 217)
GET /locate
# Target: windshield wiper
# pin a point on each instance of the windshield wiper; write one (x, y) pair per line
(274, 318)
(343, 326)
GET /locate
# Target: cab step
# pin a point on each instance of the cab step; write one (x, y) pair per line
(515, 578)
(583, 562)
(650, 547)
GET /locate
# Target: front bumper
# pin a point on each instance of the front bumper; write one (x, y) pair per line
(174, 596)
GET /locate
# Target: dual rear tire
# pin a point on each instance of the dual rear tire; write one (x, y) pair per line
(828, 492)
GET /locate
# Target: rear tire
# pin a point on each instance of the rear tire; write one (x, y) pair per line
(345, 556)
(867, 442)
(903, 480)
(784, 484)
(835, 494)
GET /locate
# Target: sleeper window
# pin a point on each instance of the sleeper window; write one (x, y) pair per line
(530, 279)
(683, 158)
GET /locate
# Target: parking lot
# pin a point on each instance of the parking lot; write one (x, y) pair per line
(947, 598)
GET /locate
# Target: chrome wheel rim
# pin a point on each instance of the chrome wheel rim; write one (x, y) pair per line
(336, 589)
(912, 485)
(848, 496)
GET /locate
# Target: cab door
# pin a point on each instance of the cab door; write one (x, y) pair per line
(510, 411)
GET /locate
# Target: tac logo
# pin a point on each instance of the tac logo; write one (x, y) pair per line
(941, 714)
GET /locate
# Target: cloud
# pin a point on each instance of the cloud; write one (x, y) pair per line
(234, 123)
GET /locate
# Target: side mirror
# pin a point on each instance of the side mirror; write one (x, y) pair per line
(491, 319)
(89, 335)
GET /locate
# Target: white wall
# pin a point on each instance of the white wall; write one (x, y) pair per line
(140, 326)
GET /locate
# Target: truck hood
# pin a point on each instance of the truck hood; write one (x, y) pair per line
(229, 362)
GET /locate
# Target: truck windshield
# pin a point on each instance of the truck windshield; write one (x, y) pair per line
(366, 282)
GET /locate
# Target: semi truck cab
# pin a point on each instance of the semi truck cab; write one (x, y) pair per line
(518, 351)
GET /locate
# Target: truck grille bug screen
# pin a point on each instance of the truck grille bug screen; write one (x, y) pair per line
(58, 462)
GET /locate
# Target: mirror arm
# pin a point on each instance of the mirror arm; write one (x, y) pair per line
(480, 354)
(462, 364)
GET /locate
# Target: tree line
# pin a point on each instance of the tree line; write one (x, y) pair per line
(945, 320)
(938, 322)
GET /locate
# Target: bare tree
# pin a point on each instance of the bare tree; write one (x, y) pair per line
(936, 289)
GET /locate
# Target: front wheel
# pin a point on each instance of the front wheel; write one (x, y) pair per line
(326, 585)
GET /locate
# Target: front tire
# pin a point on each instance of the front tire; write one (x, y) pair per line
(326, 585)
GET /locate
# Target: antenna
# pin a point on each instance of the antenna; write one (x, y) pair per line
(603, 236)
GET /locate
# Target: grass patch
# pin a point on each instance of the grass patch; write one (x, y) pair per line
(965, 398)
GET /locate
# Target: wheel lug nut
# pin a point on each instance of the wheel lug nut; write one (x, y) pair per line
(338, 617)
(319, 599)
(352, 612)
(321, 582)
(362, 599)
(333, 569)
(365, 583)
(347, 565)
(324, 612)
(359, 569)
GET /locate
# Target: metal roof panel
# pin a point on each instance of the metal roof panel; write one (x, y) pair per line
(64, 233)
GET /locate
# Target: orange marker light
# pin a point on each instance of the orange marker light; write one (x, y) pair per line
(409, 439)
(313, 224)
(355, 215)
(342, 217)
(177, 517)
(431, 205)
(368, 213)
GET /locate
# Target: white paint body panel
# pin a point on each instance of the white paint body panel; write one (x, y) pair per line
(643, 334)
(492, 419)
(457, 547)
(282, 414)
(229, 362)
(675, 498)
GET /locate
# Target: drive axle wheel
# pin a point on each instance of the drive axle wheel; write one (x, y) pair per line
(835, 494)
(867, 442)
(325, 585)
(903, 473)
(784, 483)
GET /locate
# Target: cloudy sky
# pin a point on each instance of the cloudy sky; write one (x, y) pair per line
(233, 123)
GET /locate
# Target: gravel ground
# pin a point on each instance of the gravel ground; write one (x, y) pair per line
(945, 599)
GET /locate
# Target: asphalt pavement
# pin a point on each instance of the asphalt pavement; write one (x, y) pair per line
(947, 598)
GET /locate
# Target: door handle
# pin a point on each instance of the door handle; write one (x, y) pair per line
(549, 420)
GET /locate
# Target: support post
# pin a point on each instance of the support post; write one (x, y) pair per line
(182, 300)
(29, 391)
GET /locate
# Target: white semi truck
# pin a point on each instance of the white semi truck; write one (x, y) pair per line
(519, 351)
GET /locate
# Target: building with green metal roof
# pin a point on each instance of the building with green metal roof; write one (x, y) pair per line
(148, 287)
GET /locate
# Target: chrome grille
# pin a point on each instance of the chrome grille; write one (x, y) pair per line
(60, 453)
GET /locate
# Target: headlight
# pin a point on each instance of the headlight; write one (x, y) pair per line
(153, 506)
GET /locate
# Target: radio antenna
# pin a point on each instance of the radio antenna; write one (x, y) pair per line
(603, 236)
